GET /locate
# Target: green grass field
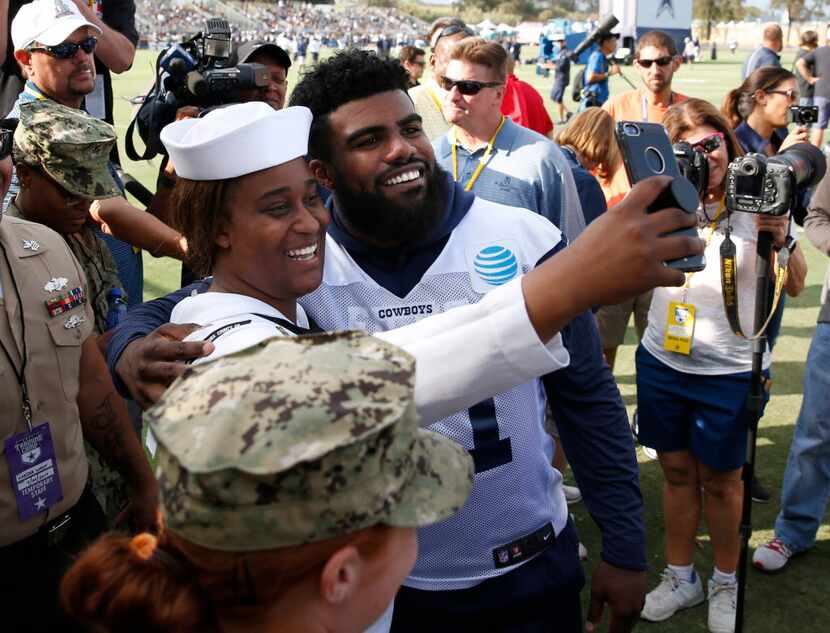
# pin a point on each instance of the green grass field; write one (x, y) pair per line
(792, 601)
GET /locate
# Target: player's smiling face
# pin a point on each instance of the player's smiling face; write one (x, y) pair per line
(382, 169)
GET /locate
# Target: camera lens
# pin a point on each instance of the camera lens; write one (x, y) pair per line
(631, 129)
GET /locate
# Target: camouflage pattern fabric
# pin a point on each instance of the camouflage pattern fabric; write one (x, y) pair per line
(299, 439)
(71, 146)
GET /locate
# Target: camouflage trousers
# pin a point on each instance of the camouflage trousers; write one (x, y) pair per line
(108, 485)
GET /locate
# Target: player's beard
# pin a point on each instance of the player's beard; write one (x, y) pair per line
(375, 217)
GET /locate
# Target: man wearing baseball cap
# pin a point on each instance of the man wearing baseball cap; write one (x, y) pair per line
(277, 61)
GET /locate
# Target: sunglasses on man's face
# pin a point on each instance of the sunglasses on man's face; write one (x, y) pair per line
(467, 87)
(67, 50)
(709, 144)
(660, 61)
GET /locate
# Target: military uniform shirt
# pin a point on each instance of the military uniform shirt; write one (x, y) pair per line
(41, 262)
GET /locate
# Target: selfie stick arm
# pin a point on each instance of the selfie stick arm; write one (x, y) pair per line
(754, 405)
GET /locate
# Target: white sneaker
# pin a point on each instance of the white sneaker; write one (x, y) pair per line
(722, 604)
(772, 556)
(572, 494)
(672, 595)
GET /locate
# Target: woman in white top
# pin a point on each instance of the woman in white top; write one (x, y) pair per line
(693, 376)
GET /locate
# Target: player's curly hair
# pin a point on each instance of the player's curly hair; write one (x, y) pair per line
(345, 77)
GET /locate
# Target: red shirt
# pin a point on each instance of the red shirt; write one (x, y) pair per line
(523, 103)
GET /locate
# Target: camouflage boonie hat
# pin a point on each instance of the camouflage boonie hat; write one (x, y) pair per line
(299, 439)
(69, 145)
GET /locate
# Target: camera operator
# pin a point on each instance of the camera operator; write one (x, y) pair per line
(598, 70)
(692, 389)
(806, 487)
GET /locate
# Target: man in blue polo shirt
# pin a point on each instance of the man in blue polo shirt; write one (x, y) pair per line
(489, 154)
(768, 54)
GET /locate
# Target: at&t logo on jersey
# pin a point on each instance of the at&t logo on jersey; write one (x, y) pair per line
(495, 265)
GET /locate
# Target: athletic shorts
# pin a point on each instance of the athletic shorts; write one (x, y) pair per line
(823, 113)
(612, 321)
(557, 93)
(705, 415)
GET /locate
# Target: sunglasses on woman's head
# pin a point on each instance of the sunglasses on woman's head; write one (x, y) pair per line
(467, 87)
(710, 143)
(67, 50)
(660, 61)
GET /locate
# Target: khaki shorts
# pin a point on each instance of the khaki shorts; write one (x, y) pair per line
(613, 320)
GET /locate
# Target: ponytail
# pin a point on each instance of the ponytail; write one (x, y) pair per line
(731, 105)
(134, 585)
(740, 102)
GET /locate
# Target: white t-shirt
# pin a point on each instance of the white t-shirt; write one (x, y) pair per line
(716, 350)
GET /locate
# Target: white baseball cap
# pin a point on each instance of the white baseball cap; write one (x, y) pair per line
(236, 140)
(49, 22)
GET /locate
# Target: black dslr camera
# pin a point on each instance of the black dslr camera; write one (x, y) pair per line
(200, 71)
(802, 115)
(756, 183)
(694, 165)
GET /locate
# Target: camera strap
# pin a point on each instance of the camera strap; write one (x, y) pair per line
(729, 284)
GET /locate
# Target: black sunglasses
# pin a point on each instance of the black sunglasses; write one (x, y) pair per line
(6, 142)
(467, 87)
(660, 61)
(452, 29)
(67, 50)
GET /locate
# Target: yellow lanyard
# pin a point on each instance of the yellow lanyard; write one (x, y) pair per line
(435, 100)
(707, 238)
(482, 163)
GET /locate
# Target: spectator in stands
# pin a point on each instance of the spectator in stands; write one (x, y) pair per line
(414, 60)
(768, 54)
(428, 97)
(819, 79)
(598, 70)
(523, 103)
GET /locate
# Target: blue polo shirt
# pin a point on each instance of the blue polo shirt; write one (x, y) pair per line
(525, 170)
(597, 63)
(759, 58)
(752, 142)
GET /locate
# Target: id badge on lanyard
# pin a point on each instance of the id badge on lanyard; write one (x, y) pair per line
(33, 471)
(680, 328)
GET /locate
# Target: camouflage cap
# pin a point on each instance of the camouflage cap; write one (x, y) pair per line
(69, 145)
(299, 439)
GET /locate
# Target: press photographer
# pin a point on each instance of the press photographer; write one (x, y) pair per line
(693, 378)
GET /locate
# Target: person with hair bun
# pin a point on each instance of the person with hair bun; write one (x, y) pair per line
(292, 476)
(758, 110)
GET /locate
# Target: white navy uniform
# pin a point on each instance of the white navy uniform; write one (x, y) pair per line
(448, 375)
(516, 490)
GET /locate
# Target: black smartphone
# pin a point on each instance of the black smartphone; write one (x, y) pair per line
(647, 152)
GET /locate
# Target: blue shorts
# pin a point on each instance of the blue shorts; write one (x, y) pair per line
(557, 93)
(705, 415)
(823, 113)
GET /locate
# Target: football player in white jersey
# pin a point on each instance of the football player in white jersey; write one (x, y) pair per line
(404, 243)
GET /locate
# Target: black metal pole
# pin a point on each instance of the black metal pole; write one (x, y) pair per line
(754, 404)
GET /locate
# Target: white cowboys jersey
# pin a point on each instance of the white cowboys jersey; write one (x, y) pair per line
(516, 491)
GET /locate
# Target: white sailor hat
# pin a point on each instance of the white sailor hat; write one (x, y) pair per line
(49, 22)
(236, 140)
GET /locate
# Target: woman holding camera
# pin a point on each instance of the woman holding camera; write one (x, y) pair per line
(758, 111)
(693, 377)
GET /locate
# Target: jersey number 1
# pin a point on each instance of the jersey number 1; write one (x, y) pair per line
(488, 450)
